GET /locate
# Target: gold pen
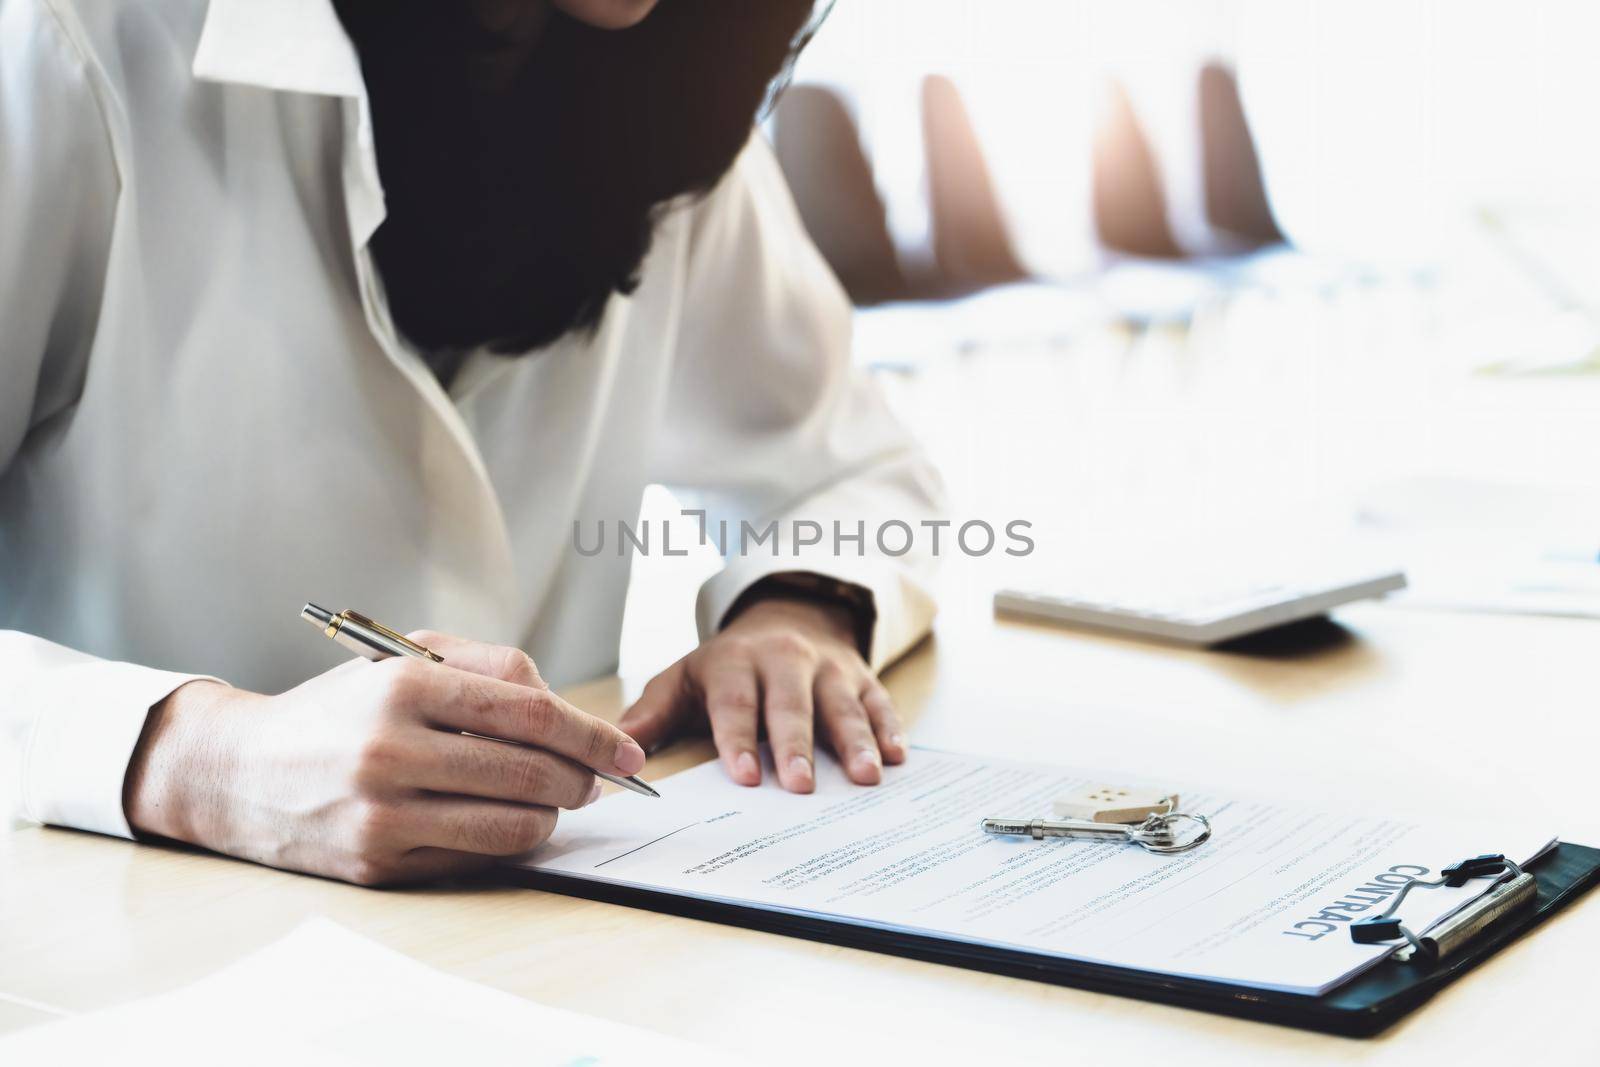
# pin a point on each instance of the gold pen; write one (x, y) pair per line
(375, 641)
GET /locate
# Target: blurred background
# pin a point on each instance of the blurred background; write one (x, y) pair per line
(938, 146)
(1233, 275)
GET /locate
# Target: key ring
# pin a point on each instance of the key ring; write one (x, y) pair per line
(1156, 834)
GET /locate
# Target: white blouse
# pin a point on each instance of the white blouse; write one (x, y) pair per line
(207, 416)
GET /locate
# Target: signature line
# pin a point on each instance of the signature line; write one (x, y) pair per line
(647, 844)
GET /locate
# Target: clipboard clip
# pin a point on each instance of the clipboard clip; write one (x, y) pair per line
(1514, 889)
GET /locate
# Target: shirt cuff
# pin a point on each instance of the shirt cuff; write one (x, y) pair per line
(904, 609)
(87, 720)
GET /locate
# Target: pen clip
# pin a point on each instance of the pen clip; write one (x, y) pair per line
(402, 639)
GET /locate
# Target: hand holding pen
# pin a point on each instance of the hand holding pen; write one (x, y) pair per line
(375, 773)
(374, 641)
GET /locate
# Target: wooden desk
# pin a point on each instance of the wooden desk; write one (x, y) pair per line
(1497, 713)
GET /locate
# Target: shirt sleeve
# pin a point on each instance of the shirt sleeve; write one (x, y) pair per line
(68, 722)
(58, 192)
(73, 722)
(790, 451)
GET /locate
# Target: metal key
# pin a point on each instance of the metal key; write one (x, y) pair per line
(1158, 833)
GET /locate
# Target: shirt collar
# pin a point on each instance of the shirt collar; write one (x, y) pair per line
(296, 46)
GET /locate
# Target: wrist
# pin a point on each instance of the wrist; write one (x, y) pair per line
(823, 620)
(845, 609)
(178, 755)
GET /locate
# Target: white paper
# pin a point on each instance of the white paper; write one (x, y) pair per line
(1483, 546)
(325, 996)
(1267, 902)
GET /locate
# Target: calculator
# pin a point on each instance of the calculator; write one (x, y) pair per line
(1199, 605)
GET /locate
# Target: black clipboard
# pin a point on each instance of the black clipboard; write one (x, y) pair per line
(1366, 1005)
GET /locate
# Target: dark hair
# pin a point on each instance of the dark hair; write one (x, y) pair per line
(522, 185)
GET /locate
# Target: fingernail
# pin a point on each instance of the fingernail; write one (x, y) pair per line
(594, 794)
(629, 758)
(746, 768)
(898, 741)
(800, 767)
(867, 762)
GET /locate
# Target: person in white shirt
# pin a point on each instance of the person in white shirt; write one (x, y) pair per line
(385, 303)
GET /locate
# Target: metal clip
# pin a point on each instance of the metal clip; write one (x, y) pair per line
(1514, 888)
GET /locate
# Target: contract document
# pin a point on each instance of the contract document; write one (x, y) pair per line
(1267, 902)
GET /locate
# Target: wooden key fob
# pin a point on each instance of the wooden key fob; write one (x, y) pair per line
(1112, 803)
